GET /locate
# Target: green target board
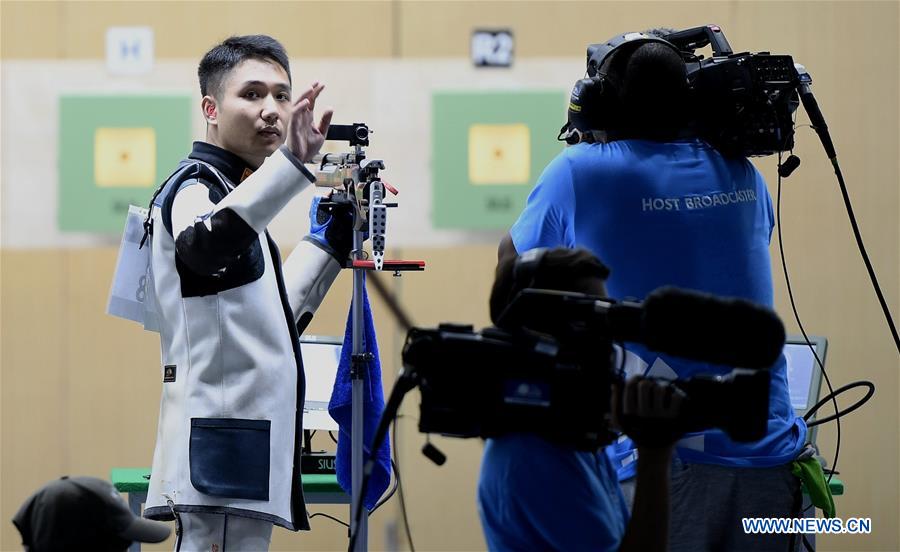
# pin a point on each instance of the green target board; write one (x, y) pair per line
(488, 149)
(114, 151)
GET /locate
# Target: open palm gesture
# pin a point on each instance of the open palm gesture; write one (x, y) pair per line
(304, 138)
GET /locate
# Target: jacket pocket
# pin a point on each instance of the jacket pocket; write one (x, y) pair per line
(230, 457)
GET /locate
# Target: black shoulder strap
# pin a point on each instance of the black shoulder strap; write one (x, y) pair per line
(148, 221)
(186, 169)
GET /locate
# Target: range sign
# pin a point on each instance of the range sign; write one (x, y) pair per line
(492, 48)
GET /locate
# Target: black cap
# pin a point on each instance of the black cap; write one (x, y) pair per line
(82, 513)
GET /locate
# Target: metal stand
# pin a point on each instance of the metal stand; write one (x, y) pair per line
(365, 193)
(357, 373)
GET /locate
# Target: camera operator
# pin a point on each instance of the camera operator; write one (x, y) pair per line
(663, 208)
(537, 494)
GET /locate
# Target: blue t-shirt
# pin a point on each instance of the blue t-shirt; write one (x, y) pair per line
(538, 495)
(678, 214)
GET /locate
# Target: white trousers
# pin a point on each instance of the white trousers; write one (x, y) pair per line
(222, 533)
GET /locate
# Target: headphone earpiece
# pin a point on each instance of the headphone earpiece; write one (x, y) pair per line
(595, 102)
(590, 104)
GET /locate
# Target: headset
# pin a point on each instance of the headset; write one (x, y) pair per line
(596, 101)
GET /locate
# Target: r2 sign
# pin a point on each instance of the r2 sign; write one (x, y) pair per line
(492, 48)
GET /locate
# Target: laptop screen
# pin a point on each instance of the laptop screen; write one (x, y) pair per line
(803, 373)
(321, 356)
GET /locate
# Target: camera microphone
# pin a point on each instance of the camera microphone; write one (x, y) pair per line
(699, 326)
(811, 106)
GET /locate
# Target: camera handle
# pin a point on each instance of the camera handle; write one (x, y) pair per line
(698, 37)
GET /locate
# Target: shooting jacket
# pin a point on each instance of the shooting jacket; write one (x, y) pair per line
(230, 422)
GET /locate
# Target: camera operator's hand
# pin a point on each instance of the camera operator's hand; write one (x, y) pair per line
(647, 411)
(331, 226)
(304, 138)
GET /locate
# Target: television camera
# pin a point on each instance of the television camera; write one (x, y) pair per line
(550, 370)
(740, 103)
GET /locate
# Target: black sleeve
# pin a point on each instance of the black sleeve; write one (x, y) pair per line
(215, 240)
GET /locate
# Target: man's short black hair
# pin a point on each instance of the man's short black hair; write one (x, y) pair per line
(223, 57)
(560, 269)
(652, 83)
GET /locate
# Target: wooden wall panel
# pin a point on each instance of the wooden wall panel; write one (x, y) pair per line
(541, 28)
(115, 376)
(34, 379)
(188, 29)
(831, 288)
(30, 30)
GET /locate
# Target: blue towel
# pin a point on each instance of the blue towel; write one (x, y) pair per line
(340, 407)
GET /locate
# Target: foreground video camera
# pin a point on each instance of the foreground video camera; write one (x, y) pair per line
(554, 376)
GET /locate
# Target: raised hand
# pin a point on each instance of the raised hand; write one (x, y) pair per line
(304, 137)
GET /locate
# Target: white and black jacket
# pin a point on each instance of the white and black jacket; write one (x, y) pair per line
(230, 422)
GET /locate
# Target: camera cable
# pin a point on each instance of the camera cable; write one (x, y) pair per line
(787, 281)
(870, 390)
(332, 518)
(400, 488)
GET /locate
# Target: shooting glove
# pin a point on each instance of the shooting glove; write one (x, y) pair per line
(331, 228)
